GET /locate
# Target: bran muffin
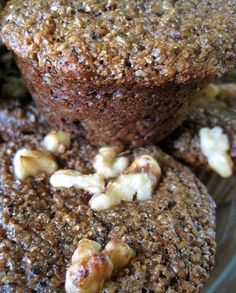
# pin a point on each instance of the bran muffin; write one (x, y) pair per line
(119, 72)
(172, 234)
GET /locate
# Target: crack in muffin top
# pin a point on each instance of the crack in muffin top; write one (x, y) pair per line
(151, 42)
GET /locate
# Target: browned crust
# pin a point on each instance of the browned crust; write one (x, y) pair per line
(125, 42)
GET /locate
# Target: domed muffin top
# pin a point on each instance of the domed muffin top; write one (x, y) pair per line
(154, 42)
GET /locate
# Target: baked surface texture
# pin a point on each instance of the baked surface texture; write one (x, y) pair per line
(173, 234)
(119, 72)
(165, 40)
(184, 143)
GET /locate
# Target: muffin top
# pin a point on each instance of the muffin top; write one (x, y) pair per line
(152, 42)
(172, 233)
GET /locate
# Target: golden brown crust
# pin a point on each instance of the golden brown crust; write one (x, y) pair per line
(136, 41)
(119, 72)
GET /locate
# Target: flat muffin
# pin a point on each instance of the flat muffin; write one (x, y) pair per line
(172, 233)
(119, 72)
(215, 111)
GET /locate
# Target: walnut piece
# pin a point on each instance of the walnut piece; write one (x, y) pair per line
(108, 164)
(89, 269)
(57, 141)
(28, 163)
(89, 274)
(140, 179)
(85, 248)
(215, 146)
(119, 252)
(92, 183)
(91, 266)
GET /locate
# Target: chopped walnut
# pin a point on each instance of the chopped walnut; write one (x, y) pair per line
(28, 163)
(212, 91)
(215, 146)
(145, 164)
(140, 180)
(108, 164)
(209, 96)
(92, 183)
(85, 248)
(89, 274)
(57, 141)
(119, 252)
(91, 267)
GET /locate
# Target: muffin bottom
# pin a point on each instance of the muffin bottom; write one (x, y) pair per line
(105, 113)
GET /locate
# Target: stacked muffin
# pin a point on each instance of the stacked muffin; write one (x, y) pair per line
(119, 74)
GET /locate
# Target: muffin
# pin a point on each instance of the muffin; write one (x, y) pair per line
(122, 73)
(171, 233)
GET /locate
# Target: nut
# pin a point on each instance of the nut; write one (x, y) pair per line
(212, 91)
(28, 163)
(90, 267)
(140, 180)
(124, 188)
(145, 164)
(108, 164)
(89, 274)
(119, 252)
(227, 91)
(85, 248)
(210, 96)
(57, 141)
(92, 183)
(215, 146)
